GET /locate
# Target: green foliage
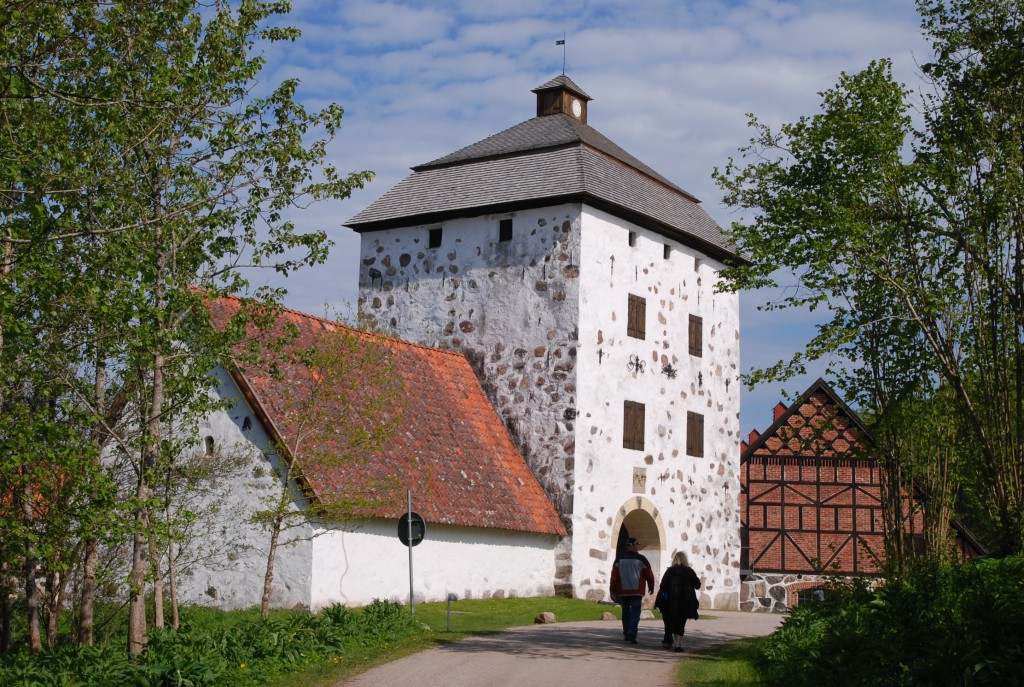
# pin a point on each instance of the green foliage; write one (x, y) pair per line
(909, 234)
(732, 664)
(240, 652)
(955, 625)
(140, 172)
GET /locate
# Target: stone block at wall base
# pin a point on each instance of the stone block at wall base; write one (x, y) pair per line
(565, 590)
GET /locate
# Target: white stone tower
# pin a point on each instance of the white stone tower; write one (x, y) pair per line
(580, 283)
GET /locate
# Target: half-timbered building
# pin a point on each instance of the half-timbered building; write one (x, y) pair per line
(811, 502)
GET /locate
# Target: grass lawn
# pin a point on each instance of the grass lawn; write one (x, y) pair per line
(723, 665)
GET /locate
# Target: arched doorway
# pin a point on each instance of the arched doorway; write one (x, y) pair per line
(639, 518)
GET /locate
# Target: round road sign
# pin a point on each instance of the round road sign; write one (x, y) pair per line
(419, 528)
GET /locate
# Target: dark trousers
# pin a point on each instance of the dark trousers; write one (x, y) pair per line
(630, 614)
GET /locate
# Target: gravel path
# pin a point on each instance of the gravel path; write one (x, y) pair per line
(585, 654)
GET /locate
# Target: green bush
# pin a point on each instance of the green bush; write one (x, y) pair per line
(241, 655)
(939, 625)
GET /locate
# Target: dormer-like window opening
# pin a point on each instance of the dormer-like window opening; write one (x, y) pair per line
(505, 230)
(434, 238)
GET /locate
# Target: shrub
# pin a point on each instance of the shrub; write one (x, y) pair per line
(241, 655)
(939, 625)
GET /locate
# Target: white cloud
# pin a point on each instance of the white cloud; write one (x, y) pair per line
(672, 82)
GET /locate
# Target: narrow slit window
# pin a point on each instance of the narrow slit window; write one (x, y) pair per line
(505, 230)
(633, 425)
(667, 251)
(632, 239)
(636, 317)
(434, 238)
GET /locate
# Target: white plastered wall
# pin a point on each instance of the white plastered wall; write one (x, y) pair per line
(693, 499)
(369, 562)
(231, 550)
(347, 564)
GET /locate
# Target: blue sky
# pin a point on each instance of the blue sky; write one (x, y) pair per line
(672, 81)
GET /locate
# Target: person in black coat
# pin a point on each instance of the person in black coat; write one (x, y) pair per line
(677, 599)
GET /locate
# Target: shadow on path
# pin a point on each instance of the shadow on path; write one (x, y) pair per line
(584, 654)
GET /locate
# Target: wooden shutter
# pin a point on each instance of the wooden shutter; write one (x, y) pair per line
(636, 320)
(633, 425)
(694, 434)
(696, 336)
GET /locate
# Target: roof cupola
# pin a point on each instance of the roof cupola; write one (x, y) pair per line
(562, 96)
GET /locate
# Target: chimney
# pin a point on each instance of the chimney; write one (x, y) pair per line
(780, 409)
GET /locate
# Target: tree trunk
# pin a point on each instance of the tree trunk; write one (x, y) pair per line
(6, 619)
(151, 446)
(54, 602)
(90, 561)
(158, 585)
(172, 586)
(140, 541)
(32, 599)
(268, 577)
(137, 577)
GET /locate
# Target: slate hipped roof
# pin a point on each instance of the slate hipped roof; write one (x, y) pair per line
(450, 447)
(544, 161)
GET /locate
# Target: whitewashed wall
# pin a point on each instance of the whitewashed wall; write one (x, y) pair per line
(692, 500)
(351, 565)
(511, 307)
(532, 316)
(368, 562)
(233, 550)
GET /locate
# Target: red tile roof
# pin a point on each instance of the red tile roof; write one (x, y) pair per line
(450, 446)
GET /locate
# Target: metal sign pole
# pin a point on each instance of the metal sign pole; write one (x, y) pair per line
(412, 603)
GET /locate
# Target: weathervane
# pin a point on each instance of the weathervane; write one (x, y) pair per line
(562, 43)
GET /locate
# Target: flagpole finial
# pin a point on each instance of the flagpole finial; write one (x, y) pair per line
(562, 43)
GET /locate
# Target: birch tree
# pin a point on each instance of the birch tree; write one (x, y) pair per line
(910, 236)
(132, 141)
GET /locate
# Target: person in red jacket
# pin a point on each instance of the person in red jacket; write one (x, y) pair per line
(629, 576)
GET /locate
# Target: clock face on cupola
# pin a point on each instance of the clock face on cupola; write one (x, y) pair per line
(562, 96)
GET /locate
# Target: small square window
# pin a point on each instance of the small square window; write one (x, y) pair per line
(694, 434)
(636, 317)
(434, 238)
(505, 230)
(667, 251)
(633, 425)
(632, 239)
(696, 336)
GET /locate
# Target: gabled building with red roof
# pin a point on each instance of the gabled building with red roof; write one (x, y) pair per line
(490, 529)
(581, 285)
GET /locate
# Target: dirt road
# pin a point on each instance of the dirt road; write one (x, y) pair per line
(587, 654)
